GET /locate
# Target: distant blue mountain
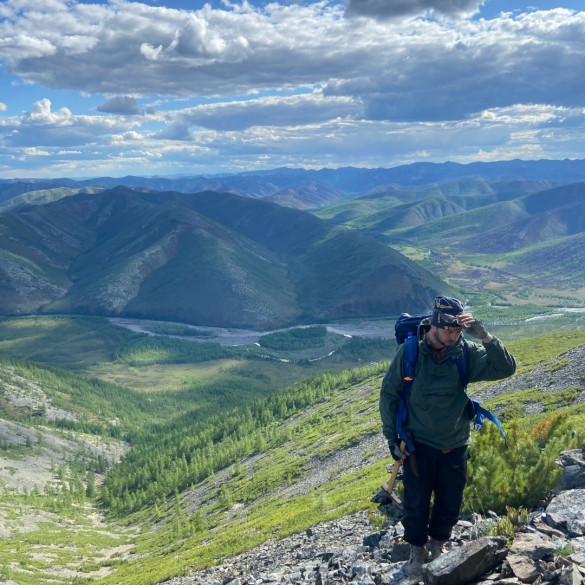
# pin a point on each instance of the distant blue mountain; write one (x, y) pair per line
(343, 183)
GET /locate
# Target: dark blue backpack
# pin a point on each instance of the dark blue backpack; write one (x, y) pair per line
(405, 331)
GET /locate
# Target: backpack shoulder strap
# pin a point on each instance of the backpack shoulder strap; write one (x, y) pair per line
(463, 365)
(409, 357)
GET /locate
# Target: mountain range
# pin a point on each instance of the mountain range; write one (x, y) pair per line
(509, 237)
(208, 258)
(291, 246)
(311, 189)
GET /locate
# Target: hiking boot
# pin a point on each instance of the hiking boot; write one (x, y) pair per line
(437, 548)
(418, 556)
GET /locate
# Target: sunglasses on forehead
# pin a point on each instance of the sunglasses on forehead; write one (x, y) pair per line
(450, 318)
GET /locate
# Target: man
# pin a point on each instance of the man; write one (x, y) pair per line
(438, 422)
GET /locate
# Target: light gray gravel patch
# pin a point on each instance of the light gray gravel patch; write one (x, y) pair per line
(543, 377)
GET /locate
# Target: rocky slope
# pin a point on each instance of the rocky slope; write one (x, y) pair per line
(550, 548)
(30, 456)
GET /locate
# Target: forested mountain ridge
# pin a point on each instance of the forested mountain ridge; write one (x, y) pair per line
(207, 258)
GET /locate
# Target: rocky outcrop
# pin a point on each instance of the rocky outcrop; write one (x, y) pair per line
(547, 548)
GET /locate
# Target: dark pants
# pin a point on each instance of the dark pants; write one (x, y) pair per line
(443, 474)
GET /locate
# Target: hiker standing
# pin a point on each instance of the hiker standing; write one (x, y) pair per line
(437, 421)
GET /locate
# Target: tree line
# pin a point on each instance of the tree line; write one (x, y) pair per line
(186, 452)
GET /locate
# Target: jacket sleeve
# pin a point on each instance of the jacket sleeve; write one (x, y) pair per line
(490, 361)
(390, 396)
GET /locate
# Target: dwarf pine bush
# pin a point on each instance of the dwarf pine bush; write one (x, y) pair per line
(521, 475)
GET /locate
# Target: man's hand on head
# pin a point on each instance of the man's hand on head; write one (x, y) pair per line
(474, 327)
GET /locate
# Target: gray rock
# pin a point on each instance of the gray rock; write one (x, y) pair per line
(534, 546)
(570, 576)
(400, 552)
(554, 520)
(467, 563)
(573, 477)
(573, 457)
(361, 569)
(524, 568)
(570, 505)
(321, 575)
(365, 580)
(573, 463)
(374, 539)
(539, 525)
(578, 558)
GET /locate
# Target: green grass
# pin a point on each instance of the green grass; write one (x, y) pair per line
(537, 350)
(295, 339)
(512, 406)
(273, 517)
(70, 342)
(68, 543)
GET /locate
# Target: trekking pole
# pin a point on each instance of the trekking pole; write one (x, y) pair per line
(389, 487)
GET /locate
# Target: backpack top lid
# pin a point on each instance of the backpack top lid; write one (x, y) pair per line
(407, 326)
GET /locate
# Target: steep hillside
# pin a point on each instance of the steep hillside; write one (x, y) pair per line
(386, 209)
(547, 215)
(209, 259)
(412, 214)
(511, 224)
(556, 264)
(42, 196)
(465, 227)
(191, 493)
(12, 191)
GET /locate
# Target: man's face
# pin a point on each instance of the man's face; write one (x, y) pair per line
(448, 337)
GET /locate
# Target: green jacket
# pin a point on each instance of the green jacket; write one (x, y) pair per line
(437, 402)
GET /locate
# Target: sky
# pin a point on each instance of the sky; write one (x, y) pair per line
(183, 87)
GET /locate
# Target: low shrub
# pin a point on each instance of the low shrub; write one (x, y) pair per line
(521, 475)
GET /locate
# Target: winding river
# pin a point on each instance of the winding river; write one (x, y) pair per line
(381, 328)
